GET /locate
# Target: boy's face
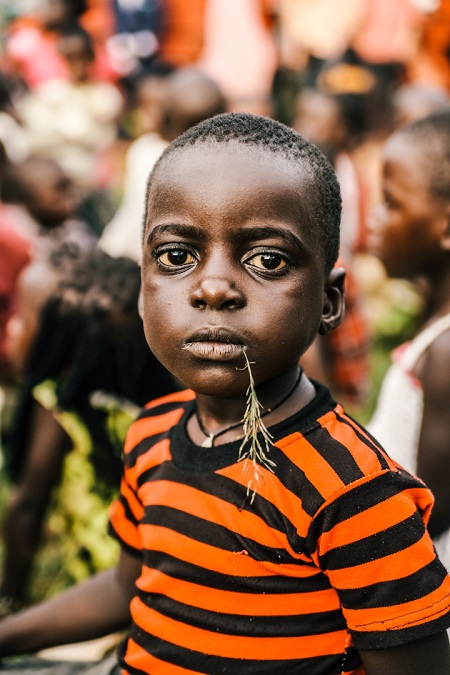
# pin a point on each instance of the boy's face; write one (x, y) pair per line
(231, 261)
(404, 228)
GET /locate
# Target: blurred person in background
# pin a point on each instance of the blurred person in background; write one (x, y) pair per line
(46, 201)
(79, 349)
(185, 97)
(336, 121)
(74, 120)
(409, 232)
(240, 52)
(34, 30)
(413, 101)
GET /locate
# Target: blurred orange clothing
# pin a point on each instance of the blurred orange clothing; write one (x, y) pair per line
(182, 41)
(431, 65)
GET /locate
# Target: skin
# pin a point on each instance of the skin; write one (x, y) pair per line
(50, 194)
(213, 283)
(77, 56)
(318, 118)
(233, 225)
(150, 96)
(410, 233)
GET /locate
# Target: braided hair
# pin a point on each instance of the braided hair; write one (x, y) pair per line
(90, 339)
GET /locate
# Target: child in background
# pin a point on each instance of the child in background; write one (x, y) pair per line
(78, 341)
(35, 31)
(412, 101)
(262, 529)
(336, 123)
(74, 120)
(47, 199)
(188, 97)
(410, 233)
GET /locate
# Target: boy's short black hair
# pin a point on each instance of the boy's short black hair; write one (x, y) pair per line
(433, 133)
(276, 137)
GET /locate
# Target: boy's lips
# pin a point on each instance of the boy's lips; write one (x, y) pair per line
(214, 344)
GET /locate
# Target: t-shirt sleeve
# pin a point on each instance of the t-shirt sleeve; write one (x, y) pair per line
(124, 516)
(372, 543)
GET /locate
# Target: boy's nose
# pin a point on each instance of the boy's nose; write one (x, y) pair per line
(216, 293)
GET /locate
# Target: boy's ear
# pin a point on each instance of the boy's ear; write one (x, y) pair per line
(333, 301)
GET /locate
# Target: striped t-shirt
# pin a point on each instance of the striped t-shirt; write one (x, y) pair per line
(330, 556)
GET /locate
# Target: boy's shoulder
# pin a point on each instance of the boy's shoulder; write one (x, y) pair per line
(158, 415)
(174, 398)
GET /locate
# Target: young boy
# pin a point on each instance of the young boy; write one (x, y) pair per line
(304, 551)
(410, 233)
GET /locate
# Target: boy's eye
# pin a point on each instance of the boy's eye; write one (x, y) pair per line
(176, 257)
(268, 261)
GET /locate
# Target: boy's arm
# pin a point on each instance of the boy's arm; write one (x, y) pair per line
(433, 465)
(89, 610)
(430, 655)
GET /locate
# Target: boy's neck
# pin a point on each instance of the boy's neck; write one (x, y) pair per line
(222, 418)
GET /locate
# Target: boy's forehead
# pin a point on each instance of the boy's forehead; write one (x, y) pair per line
(232, 175)
(232, 164)
(248, 184)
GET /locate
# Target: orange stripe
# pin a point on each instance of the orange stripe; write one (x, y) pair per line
(174, 397)
(137, 657)
(388, 568)
(230, 602)
(149, 426)
(365, 458)
(237, 563)
(270, 487)
(130, 497)
(315, 467)
(210, 508)
(235, 646)
(404, 614)
(392, 464)
(157, 454)
(128, 533)
(369, 522)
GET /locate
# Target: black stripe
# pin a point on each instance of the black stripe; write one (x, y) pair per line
(392, 540)
(396, 592)
(217, 536)
(227, 490)
(270, 584)
(142, 447)
(394, 638)
(276, 625)
(213, 665)
(361, 497)
(336, 455)
(292, 477)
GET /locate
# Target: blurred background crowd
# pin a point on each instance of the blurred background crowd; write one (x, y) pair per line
(91, 92)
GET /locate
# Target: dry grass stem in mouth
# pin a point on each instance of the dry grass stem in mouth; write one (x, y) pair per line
(253, 446)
